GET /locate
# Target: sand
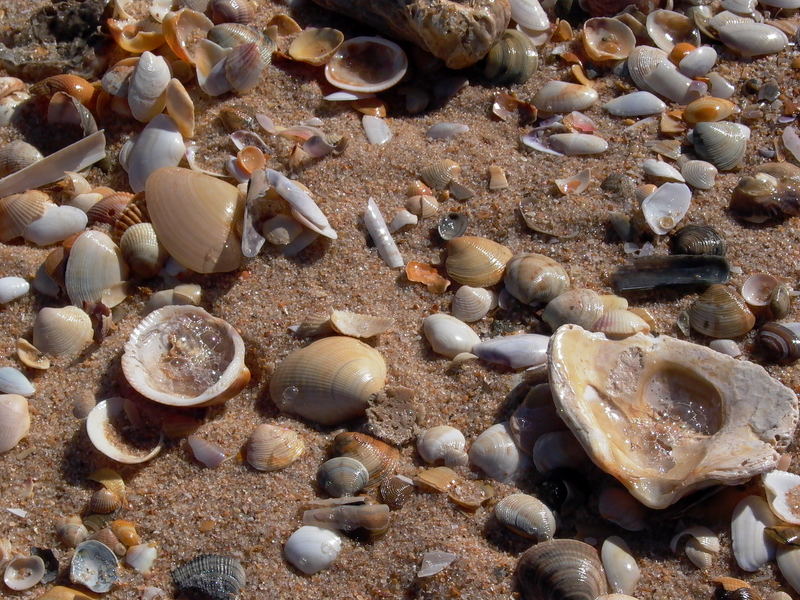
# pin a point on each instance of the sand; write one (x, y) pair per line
(186, 509)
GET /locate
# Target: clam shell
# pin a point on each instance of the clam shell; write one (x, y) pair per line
(328, 381)
(448, 335)
(12, 288)
(752, 39)
(561, 97)
(94, 565)
(142, 251)
(471, 304)
(723, 144)
(788, 559)
(230, 35)
(607, 39)
(71, 531)
(535, 278)
(147, 85)
(24, 572)
(719, 87)
(659, 171)
(245, 64)
(271, 448)
(422, 206)
(495, 453)
(620, 566)
(698, 62)
(720, 313)
(20, 210)
(518, 351)
(558, 569)
(160, 144)
(442, 444)
(578, 306)
(183, 356)
(439, 174)
(779, 342)
(207, 453)
(14, 382)
(17, 155)
(105, 424)
(667, 28)
(664, 208)
(642, 61)
(699, 239)
(182, 29)
(95, 271)
(526, 516)
(396, 491)
(104, 501)
(342, 476)
(55, 225)
(535, 416)
(379, 458)
(211, 576)
(667, 81)
(476, 261)
(636, 104)
(109, 208)
(311, 549)
(699, 174)
(366, 64)
(193, 215)
(529, 14)
(511, 59)
(316, 46)
(15, 420)
(708, 109)
(232, 11)
(64, 330)
(752, 547)
(141, 557)
(573, 144)
(757, 289)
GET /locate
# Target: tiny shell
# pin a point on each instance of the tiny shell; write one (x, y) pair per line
(495, 453)
(471, 304)
(699, 174)
(104, 501)
(700, 548)
(561, 97)
(271, 448)
(64, 330)
(366, 64)
(95, 566)
(439, 174)
(13, 381)
(141, 557)
(782, 488)
(316, 46)
(71, 531)
(24, 572)
(311, 549)
(12, 288)
(527, 516)
(422, 205)
(15, 420)
(448, 335)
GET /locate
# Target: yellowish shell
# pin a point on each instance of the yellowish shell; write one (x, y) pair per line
(180, 107)
(721, 313)
(708, 108)
(125, 532)
(142, 251)
(476, 261)
(316, 46)
(271, 448)
(19, 210)
(618, 324)
(62, 330)
(110, 480)
(183, 29)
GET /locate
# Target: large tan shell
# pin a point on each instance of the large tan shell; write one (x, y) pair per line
(64, 330)
(379, 458)
(560, 569)
(721, 313)
(271, 448)
(95, 271)
(476, 261)
(329, 381)
(20, 210)
(668, 417)
(532, 278)
(15, 420)
(194, 216)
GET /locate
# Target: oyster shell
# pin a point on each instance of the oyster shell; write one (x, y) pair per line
(668, 417)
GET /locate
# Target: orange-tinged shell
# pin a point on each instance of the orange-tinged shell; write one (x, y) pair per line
(250, 159)
(316, 46)
(606, 39)
(180, 107)
(271, 448)
(708, 108)
(131, 37)
(75, 86)
(378, 457)
(135, 212)
(476, 261)
(125, 532)
(680, 51)
(19, 210)
(109, 208)
(183, 29)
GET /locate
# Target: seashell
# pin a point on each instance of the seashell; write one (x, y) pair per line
(244, 65)
(160, 144)
(211, 576)
(781, 488)
(329, 381)
(512, 58)
(620, 566)
(180, 107)
(396, 491)
(379, 458)
(719, 87)
(14, 382)
(698, 62)
(699, 239)
(316, 46)
(526, 516)
(230, 35)
(182, 29)
(23, 572)
(667, 81)
(719, 390)
(116, 80)
(60, 331)
(779, 342)
(20, 210)
(439, 174)
(183, 356)
(557, 450)
(617, 506)
(422, 206)
(560, 569)
(752, 547)
(207, 453)
(720, 313)
(75, 86)
(135, 212)
(497, 178)
(304, 209)
(366, 64)
(15, 420)
(142, 251)
(281, 230)
(529, 14)
(30, 356)
(607, 39)
(515, 351)
(578, 306)
(757, 289)
(193, 215)
(357, 325)
(573, 144)
(446, 131)
(342, 476)
(495, 453)
(452, 225)
(94, 566)
(788, 559)
(701, 547)
(560, 97)
(447, 335)
(71, 531)
(17, 155)
(95, 271)
(659, 172)
(232, 11)
(147, 85)
(642, 62)
(442, 445)
(9, 85)
(376, 129)
(752, 39)
(535, 278)
(141, 557)
(437, 479)
(271, 448)
(534, 417)
(56, 224)
(109, 208)
(728, 347)
(435, 562)
(108, 427)
(708, 109)
(312, 549)
(664, 208)
(667, 28)
(476, 261)
(104, 501)
(125, 532)
(650, 272)
(471, 304)
(637, 104)
(723, 144)
(372, 518)
(699, 174)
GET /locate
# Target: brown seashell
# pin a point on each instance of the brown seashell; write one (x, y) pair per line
(708, 108)
(75, 86)
(476, 261)
(250, 159)
(20, 210)
(110, 480)
(135, 212)
(560, 569)
(440, 173)
(109, 209)
(125, 532)
(104, 501)
(437, 479)
(720, 313)
(371, 518)
(396, 491)
(424, 207)
(232, 11)
(244, 65)
(379, 458)
(107, 537)
(271, 448)
(71, 531)
(180, 107)
(535, 278)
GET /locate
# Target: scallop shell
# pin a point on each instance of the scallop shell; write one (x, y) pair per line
(311, 549)
(211, 576)
(15, 420)
(526, 516)
(607, 39)
(17, 155)
(535, 278)
(342, 476)
(752, 547)
(95, 271)
(366, 64)
(329, 381)
(699, 174)
(495, 453)
(621, 569)
(448, 335)
(720, 313)
(106, 425)
(108, 208)
(194, 216)
(561, 97)
(316, 46)
(24, 572)
(476, 261)
(667, 28)
(723, 143)
(578, 306)
(558, 569)
(442, 444)
(271, 448)
(512, 59)
(95, 566)
(20, 210)
(379, 458)
(64, 330)
(142, 251)
(471, 304)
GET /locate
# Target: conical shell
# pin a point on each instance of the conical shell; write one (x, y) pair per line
(535, 278)
(147, 85)
(15, 420)
(379, 458)
(723, 143)
(271, 448)
(560, 569)
(194, 216)
(471, 304)
(527, 516)
(64, 330)
(328, 381)
(621, 569)
(721, 313)
(19, 211)
(142, 251)
(476, 261)
(210, 576)
(95, 271)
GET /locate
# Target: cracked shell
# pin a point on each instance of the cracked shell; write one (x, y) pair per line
(699, 418)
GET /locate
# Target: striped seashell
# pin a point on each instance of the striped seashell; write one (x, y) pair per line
(20, 210)
(271, 448)
(109, 208)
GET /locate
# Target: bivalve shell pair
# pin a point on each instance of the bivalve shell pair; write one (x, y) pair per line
(557, 569)
(211, 576)
(527, 516)
(366, 64)
(720, 313)
(271, 448)
(329, 381)
(476, 261)
(535, 278)
(183, 356)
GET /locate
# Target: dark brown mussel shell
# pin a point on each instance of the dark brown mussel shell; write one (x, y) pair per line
(210, 577)
(650, 272)
(699, 239)
(779, 342)
(561, 570)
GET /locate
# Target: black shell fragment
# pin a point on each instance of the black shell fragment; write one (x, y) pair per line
(210, 577)
(650, 272)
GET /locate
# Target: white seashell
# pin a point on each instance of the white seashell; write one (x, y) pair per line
(698, 62)
(516, 351)
(24, 572)
(448, 335)
(95, 566)
(702, 546)
(443, 445)
(526, 516)
(160, 144)
(445, 131)
(311, 549)
(782, 490)
(304, 209)
(210, 61)
(665, 80)
(557, 449)
(563, 97)
(12, 288)
(642, 61)
(62, 330)
(379, 232)
(788, 558)
(345, 96)
(667, 28)
(664, 208)
(752, 39)
(529, 14)
(376, 129)
(577, 143)
(637, 104)
(722, 143)
(728, 347)
(210, 455)
(720, 87)
(10, 105)
(661, 171)
(495, 453)
(620, 566)
(84, 201)
(95, 270)
(55, 225)
(402, 218)
(15, 420)
(435, 562)
(106, 439)
(141, 557)
(471, 304)
(740, 7)
(147, 85)
(752, 547)
(699, 174)
(13, 381)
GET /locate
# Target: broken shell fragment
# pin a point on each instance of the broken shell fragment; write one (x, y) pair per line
(366, 64)
(357, 325)
(95, 566)
(372, 518)
(702, 404)
(607, 39)
(526, 516)
(271, 448)
(211, 576)
(561, 569)
(311, 549)
(782, 488)
(141, 557)
(110, 432)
